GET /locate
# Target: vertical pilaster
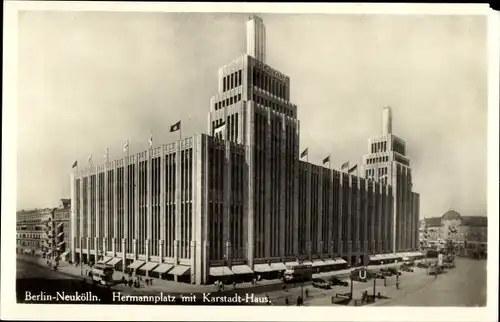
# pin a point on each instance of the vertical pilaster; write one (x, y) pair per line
(319, 239)
(163, 226)
(124, 255)
(358, 217)
(268, 186)
(227, 194)
(98, 227)
(81, 219)
(89, 213)
(340, 214)
(249, 155)
(115, 239)
(296, 164)
(72, 185)
(126, 203)
(330, 215)
(395, 225)
(178, 201)
(137, 182)
(373, 214)
(106, 210)
(308, 211)
(349, 221)
(282, 188)
(149, 196)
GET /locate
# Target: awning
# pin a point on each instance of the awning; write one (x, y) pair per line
(105, 259)
(340, 261)
(114, 261)
(149, 266)
(317, 263)
(62, 232)
(60, 224)
(61, 243)
(162, 268)
(376, 257)
(292, 264)
(262, 268)
(64, 254)
(136, 264)
(307, 263)
(220, 271)
(241, 269)
(330, 261)
(278, 267)
(180, 270)
(38, 252)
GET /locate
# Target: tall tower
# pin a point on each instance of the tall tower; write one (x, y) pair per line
(387, 162)
(253, 108)
(256, 38)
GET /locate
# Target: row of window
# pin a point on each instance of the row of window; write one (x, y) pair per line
(377, 160)
(228, 102)
(231, 81)
(273, 105)
(268, 83)
(379, 147)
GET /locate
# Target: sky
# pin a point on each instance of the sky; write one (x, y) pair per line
(88, 81)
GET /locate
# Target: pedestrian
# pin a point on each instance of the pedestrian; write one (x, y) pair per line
(307, 293)
(286, 301)
(151, 281)
(234, 284)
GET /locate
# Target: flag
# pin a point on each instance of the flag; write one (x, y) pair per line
(352, 169)
(151, 140)
(175, 127)
(345, 165)
(125, 147)
(89, 159)
(304, 153)
(106, 155)
(327, 159)
(75, 164)
(220, 128)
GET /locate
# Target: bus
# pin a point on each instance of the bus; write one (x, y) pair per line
(102, 273)
(298, 273)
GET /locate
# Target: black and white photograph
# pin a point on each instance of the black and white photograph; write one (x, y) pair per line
(235, 156)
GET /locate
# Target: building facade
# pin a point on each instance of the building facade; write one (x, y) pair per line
(387, 162)
(236, 202)
(31, 232)
(468, 233)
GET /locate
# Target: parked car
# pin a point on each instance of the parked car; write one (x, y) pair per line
(406, 269)
(379, 275)
(394, 271)
(337, 281)
(321, 283)
(423, 265)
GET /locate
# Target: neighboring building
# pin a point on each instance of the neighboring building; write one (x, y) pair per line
(387, 162)
(31, 231)
(467, 232)
(62, 228)
(237, 202)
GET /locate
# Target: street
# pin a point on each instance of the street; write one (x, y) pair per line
(463, 286)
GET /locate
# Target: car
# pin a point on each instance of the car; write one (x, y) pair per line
(406, 269)
(320, 283)
(394, 271)
(337, 281)
(423, 265)
(379, 275)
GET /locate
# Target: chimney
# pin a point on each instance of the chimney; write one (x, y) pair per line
(386, 121)
(256, 38)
